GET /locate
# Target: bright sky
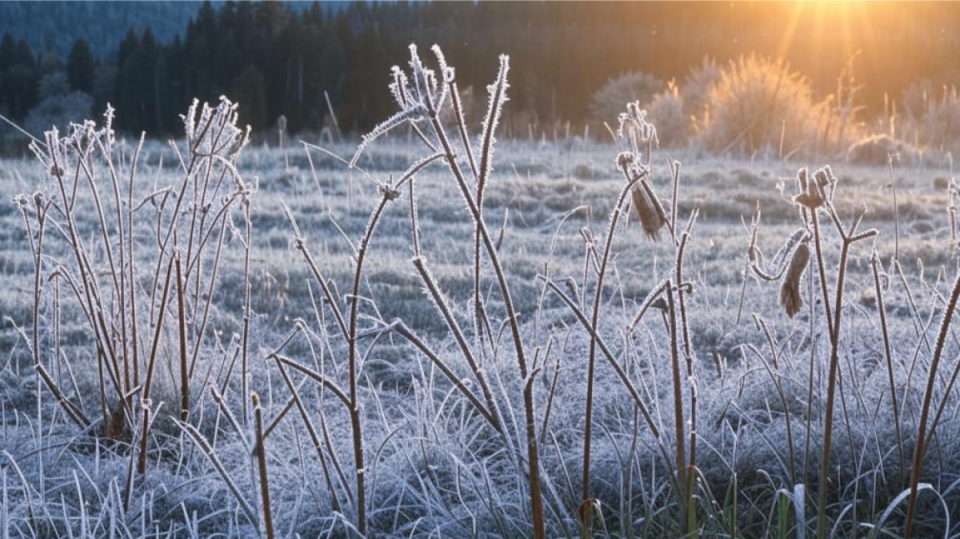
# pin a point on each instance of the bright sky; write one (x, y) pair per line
(818, 23)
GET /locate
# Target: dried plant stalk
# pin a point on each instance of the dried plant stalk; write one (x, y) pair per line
(260, 451)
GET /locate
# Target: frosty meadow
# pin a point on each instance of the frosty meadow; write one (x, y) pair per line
(401, 339)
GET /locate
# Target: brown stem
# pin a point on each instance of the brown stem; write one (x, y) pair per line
(888, 354)
(182, 332)
(594, 323)
(261, 453)
(921, 446)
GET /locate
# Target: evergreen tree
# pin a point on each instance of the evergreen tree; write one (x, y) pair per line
(250, 91)
(81, 67)
(20, 80)
(8, 51)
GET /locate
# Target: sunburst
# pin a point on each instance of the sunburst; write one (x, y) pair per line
(812, 23)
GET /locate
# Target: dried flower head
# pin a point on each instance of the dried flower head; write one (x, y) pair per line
(215, 131)
(790, 298)
(635, 135)
(812, 193)
(422, 97)
(649, 210)
(56, 170)
(824, 177)
(810, 197)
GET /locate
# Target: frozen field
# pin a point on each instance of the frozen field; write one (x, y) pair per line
(433, 466)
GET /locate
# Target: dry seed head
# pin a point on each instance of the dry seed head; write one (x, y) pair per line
(826, 181)
(572, 287)
(56, 170)
(388, 191)
(650, 218)
(790, 298)
(812, 197)
(810, 192)
(635, 135)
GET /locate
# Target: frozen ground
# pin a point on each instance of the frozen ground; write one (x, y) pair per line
(434, 469)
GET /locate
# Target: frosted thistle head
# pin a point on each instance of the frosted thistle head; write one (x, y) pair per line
(808, 194)
(635, 135)
(215, 130)
(80, 137)
(419, 95)
(813, 192)
(426, 93)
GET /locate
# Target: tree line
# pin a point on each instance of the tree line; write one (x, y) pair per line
(277, 59)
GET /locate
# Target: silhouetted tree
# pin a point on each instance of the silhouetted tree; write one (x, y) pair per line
(81, 67)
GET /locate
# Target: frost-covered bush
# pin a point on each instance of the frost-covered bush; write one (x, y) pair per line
(752, 103)
(667, 112)
(697, 84)
(59, 111)
(932, 117)
(608, 101)
(58, 107)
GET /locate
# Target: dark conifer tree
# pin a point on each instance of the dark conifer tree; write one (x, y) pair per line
(81, 68)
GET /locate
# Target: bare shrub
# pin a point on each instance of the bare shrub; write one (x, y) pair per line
(667, 111)
(932, 117)
(607, 103)
(697, 85)
(753, 103)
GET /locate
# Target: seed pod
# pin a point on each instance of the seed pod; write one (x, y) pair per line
(790, 298)
(812, 198)
(649, 211)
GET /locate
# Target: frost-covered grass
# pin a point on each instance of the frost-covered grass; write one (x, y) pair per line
(433, 464)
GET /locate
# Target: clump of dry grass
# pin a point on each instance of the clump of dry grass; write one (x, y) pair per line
(931, 117)
(697, 84)
(758, 104)
(608, 101)
(668, 110)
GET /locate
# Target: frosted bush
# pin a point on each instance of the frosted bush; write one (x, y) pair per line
(932, 117)
(697, 84)
(752, 103)
(667, 112)
(608, 101)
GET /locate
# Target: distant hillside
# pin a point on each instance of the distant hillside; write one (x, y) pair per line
(55, 26)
